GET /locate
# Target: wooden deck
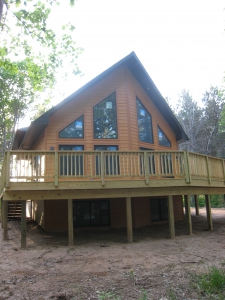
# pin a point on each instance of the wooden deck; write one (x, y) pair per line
(68, 175)
(97, 174)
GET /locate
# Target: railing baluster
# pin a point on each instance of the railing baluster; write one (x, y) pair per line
(208, 169)
(56, 167)
(146, 168)
(7, 168)
(102, 168)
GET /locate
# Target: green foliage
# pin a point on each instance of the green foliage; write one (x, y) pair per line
(203, 123)
(31, 56)
(107, 296)
(217, 201)
(171, 295)
(143, 295)
(212, 283)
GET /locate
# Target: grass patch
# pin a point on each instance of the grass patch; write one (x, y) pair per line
(107, 296)
(212, 283)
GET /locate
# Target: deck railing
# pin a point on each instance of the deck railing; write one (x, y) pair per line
(57, 166)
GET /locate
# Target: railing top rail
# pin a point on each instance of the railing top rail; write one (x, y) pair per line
(209, 156)
(94, 151)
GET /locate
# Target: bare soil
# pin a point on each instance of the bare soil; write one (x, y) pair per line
(102, 261)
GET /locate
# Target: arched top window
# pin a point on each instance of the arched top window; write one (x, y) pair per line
(163, 140)
(74, 130)
(144, 123)
(105, 123)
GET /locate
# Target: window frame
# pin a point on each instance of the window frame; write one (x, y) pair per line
(116, 119)
(137, 111)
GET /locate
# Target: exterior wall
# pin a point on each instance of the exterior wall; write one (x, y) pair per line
(38, 212)
(118, 213)
(56, 215)
(141, 212)
(40, 143)
(178, 208)
(127, 88)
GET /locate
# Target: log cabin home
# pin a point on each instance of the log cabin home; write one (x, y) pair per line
(107, 156)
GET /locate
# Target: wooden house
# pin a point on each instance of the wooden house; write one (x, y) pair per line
(107, 156)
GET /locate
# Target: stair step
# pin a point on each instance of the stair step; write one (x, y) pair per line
(14, 210)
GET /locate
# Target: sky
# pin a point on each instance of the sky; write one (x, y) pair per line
(180, 43)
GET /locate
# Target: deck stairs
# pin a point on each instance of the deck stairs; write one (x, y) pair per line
(14, 210)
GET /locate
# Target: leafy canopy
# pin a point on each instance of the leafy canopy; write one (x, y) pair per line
(32, 55)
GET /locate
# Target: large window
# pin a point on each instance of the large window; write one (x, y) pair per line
(144, 123)
(74, 130)
(91, 213)
(71, 164)
(163, 140)
(111, 161)
(105, 124)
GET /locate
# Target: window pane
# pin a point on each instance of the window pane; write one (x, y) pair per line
(163, 140)
(74, 130)
(105, 124)
(144, 123)
(91, 213)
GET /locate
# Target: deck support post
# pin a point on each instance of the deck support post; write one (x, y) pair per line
(23, 225)
(208, 212)
(196, 205)
(171, 217)
(2, 213)
(129, 220)
(5, 220)
(70, 222)
(188, 213)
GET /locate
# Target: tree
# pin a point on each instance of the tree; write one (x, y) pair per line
(213, 100)
(202, 124)
(31, 56)
(190, 116)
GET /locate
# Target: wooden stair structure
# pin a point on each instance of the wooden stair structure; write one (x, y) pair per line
(14, 210)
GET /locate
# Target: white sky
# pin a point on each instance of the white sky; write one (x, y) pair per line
(181, 43)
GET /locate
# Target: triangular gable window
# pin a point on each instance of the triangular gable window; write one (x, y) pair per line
(144, 123)
(163, 140)
(74, 130)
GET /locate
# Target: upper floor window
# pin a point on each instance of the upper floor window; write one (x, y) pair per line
(74, 130)
(163, 140)
(144, 123)
(105, 123)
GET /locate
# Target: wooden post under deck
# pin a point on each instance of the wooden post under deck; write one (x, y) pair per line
(5, 220)
(2, 213)
(208, 212)
(23, 225)
(188, 213)
(129, 220)
(196, 205)
(70, 222)
(171, 217)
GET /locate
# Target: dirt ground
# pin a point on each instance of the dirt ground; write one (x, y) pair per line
(102, 263)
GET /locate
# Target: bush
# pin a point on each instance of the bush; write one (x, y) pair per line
(216, 201)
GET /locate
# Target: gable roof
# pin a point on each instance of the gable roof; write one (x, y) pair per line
(35, 129)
